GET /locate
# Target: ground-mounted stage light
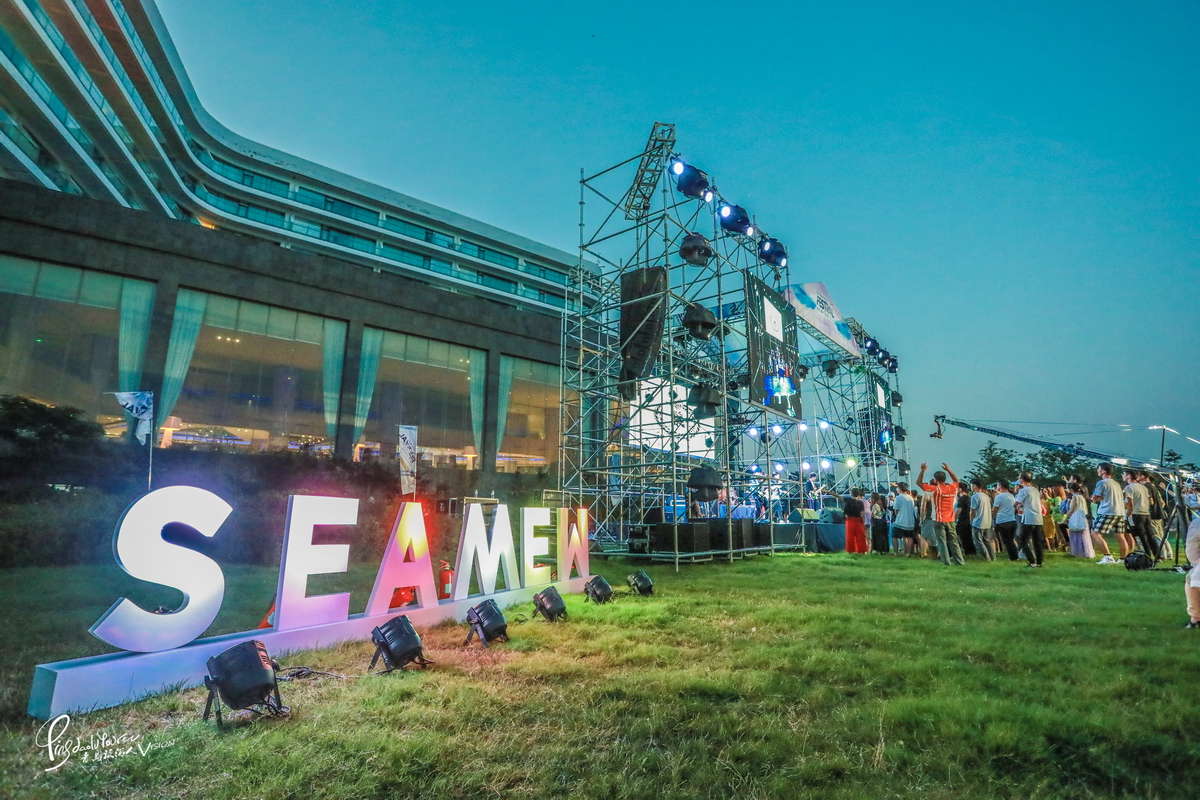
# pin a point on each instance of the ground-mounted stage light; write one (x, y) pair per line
(893, 365)
(773, 252)
(691, 182)
(705, 483)
(735, 220)
(706, 400)
(696, 250)
(487, 621)
(897, 398)
(598, 590)
(872, 346)
(831, 368)
(640, 583)
(398, 644)
(899, 433)
(700, 322)
(902, 467)
(243, 677)
(549, 604)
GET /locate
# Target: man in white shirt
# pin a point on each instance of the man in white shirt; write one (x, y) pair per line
(1004, 517)
(1029, 506)
(1137, 512)
(1110, 509)
(904, 522)
(981, 521)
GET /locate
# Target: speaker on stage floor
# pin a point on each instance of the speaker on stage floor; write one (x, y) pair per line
(833, 516)
(693, 538)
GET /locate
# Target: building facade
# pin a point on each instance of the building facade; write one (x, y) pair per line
(268, 302)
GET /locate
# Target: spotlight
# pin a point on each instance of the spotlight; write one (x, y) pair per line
(735, 220)
(691, 182)
(897, 398)
(807, 465)
(752, 431)
(773, 252)
(243, 677)
(753, 469)
(872, 347)
(598, 590)
(902, 467)
(640, 582)
(705, 483)
(398, 643)
(801, 372)
(778, 467)
(851, 463)
(706, 399)
(825, 463)
(700, 322)
(695, 250)
(900, 433)
(893, 365)
(549, 604)
(776, 429)
(822, 424)
(883, 357)
(487, 622)
(803, 427)
(831, 368)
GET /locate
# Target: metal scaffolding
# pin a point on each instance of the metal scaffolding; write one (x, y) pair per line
(631, 445)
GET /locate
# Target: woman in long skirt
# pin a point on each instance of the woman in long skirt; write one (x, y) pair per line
(879, 524)
(1077, 524)
(856, 535)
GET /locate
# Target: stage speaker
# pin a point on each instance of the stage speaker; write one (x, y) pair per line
(693, 538)
(643, 314)
(832, 516)
(743, 532)
(705, 483)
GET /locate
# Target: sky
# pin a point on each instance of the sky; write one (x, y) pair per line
(1006, 195)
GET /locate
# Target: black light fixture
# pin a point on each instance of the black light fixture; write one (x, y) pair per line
(883, 357)
(897, 398)
(735, 220)
(487, 622)
(243, 677)
(695, 250)
(706, 400)
(831, 368)
(598, 590)
(872, 346)
(705, 483)
(801, 372)
(899, 433)
(640, 583)
(773, 252)
(700, 322)
(549, 604)
(398, 644)
(691, 182)
(902, 467)
(893, 365)
(762, 434)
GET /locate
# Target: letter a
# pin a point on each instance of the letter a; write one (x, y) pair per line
(406, 562)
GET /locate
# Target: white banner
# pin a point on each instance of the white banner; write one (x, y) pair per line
(814, 305)
(406, 447)
(140, 406)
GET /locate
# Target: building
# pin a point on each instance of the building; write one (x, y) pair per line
(269, 302)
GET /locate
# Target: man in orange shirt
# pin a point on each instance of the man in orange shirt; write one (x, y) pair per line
(944, 495)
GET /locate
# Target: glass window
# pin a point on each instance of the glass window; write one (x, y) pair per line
(529, 439)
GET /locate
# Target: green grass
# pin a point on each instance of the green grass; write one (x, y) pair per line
(794, 677)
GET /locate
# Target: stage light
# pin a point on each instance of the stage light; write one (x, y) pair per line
(753, 469)
(872, 347)
(598, 590)
(640, 582)
(893, 365)
(398, 644)
(883, 356)
(900, 433)
(902, 467)
(691, 182)
(851, 463)
(695, 250)
(803, 427)
(705, 483)
(801, 372)
(699, 322)
(778, 467)
(807, 465)
(752, 431)
(776, 429)
(487, 622)
(897, 398)
(822, 424)
(243, 677)
(831, 368)
(705, 399)
(735, 220)
(773, 252)
(549, 604)
(825, 463)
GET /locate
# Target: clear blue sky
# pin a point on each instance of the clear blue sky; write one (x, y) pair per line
(1006, 194)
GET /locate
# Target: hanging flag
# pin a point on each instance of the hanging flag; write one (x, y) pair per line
(406, 455)
(140, 406)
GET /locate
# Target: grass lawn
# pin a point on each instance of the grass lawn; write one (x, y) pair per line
(829, 676)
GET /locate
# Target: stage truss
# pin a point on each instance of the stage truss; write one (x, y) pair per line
(629, 460)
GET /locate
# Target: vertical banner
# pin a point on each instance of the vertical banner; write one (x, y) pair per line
(406, 454)
(813, 304)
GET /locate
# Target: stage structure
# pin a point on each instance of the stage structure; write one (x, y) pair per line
(681, 381)
(854, 432)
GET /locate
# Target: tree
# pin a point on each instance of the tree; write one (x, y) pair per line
(1050, 466)
(42, 444)
(1173, 460)
(995, 462)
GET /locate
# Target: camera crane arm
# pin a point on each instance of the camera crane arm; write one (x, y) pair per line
(1071, 449)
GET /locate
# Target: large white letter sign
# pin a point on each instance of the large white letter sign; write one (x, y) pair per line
(473, 550)
(397, 569)
(572, 543)
(141, 551)
(302, 558)
(534, 546)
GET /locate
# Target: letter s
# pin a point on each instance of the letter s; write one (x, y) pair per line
(141, 551)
